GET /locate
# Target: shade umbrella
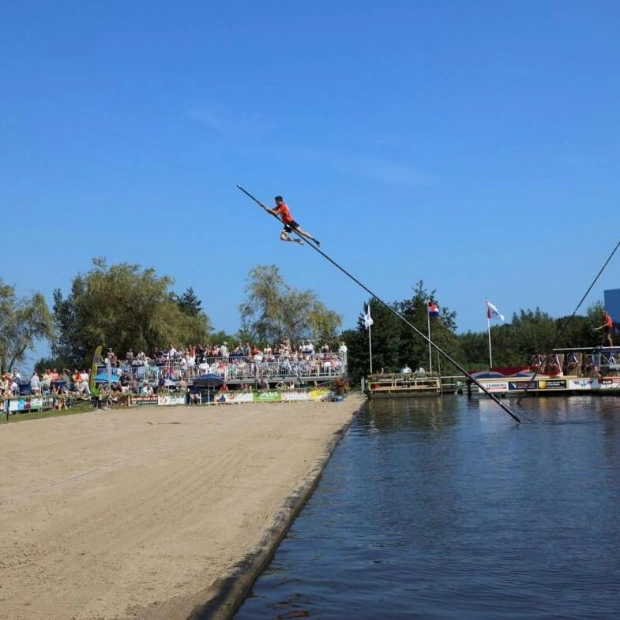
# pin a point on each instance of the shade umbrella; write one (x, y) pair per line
(208, 381)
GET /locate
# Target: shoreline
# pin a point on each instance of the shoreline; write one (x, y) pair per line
(158, 513)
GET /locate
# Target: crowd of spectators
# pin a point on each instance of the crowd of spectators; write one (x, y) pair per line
(139, 373)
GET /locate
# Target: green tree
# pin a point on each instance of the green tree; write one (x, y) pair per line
(189, 303)
(122, 306)
(23, 321)
(274, 311)
(394, 342)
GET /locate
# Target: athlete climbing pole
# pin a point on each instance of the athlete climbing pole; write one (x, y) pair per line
(317, 248)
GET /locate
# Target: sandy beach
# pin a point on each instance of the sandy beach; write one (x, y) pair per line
(152, 513)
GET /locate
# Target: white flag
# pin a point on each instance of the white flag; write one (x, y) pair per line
(367, 318)
(493, 312)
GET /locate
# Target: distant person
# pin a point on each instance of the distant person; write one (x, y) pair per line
(35, 383)
(281, 210)
(607, 327)
(405, 370)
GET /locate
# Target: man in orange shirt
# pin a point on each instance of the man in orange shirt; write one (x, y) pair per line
(607, 327)
(281, 210)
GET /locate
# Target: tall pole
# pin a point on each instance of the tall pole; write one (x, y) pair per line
(489, 331)
(370, 348)
(430, 348)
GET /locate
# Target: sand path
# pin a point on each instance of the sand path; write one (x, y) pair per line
(137, 513)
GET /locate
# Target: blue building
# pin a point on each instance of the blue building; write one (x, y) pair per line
(612, 304)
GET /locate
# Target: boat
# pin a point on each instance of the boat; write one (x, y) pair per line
(564, 371)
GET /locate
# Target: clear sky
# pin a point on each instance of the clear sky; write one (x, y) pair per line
(472, 145)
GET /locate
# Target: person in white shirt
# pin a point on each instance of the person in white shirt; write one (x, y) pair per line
(84, 381)
(405, 370)
(35, 383)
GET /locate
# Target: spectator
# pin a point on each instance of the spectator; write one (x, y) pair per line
(46, 381)
(83, 387)
(607, 327)
(35, 383)
(66, 377)
(5, 384)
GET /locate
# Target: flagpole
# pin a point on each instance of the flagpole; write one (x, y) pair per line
(370, 348)
(490, 354)
(430, 349)
(368, 324)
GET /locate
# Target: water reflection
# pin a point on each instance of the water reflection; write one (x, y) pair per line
(445, 508)
(402, 413)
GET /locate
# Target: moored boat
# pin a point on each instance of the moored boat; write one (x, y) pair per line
(565, 371)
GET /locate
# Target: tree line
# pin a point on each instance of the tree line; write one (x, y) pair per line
(515, 342)
(127, 306)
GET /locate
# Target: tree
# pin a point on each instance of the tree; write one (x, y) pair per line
(394, 342)
(189, 303)
(274, 311)
(124, 306)
(22, 322)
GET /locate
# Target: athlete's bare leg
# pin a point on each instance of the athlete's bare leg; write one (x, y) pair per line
(306, 234)
(285, 237)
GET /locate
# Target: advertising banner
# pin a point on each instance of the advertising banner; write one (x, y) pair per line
(319, 394)
(234, 398)
(494, 387)
(609, 383)
(552, 384)
(523, 385)
(582, 383)
(143, 399)
(171, 399)
(27, 403)
(295, 395)
(267, 397)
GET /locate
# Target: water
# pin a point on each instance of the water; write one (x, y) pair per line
(446, 508)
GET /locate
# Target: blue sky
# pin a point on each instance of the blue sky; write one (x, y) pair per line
(473, 146)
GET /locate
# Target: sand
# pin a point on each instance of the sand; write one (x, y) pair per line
(153, 513)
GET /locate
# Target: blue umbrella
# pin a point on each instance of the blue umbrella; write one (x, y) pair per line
(208, 381)
(105, 378)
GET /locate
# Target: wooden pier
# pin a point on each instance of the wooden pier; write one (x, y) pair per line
(396, 385)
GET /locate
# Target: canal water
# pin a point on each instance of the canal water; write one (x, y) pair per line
(446, 508)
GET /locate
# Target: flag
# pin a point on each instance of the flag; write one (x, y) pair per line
(493, 312)
(433, 309)
(367, 318)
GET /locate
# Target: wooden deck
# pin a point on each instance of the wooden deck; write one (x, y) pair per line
(401, 385)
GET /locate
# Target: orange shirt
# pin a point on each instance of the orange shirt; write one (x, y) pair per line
(282, 208)
(608, 320)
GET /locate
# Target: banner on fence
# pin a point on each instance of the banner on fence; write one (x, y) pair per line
(171, 399)
(267, 397)
(144, 399)
(235, 397)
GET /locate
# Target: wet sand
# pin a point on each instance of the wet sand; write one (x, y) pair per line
(153, 513)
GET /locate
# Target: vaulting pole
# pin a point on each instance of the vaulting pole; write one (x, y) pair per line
(402, 318)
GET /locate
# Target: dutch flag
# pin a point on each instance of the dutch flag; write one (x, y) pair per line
(433, 309)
